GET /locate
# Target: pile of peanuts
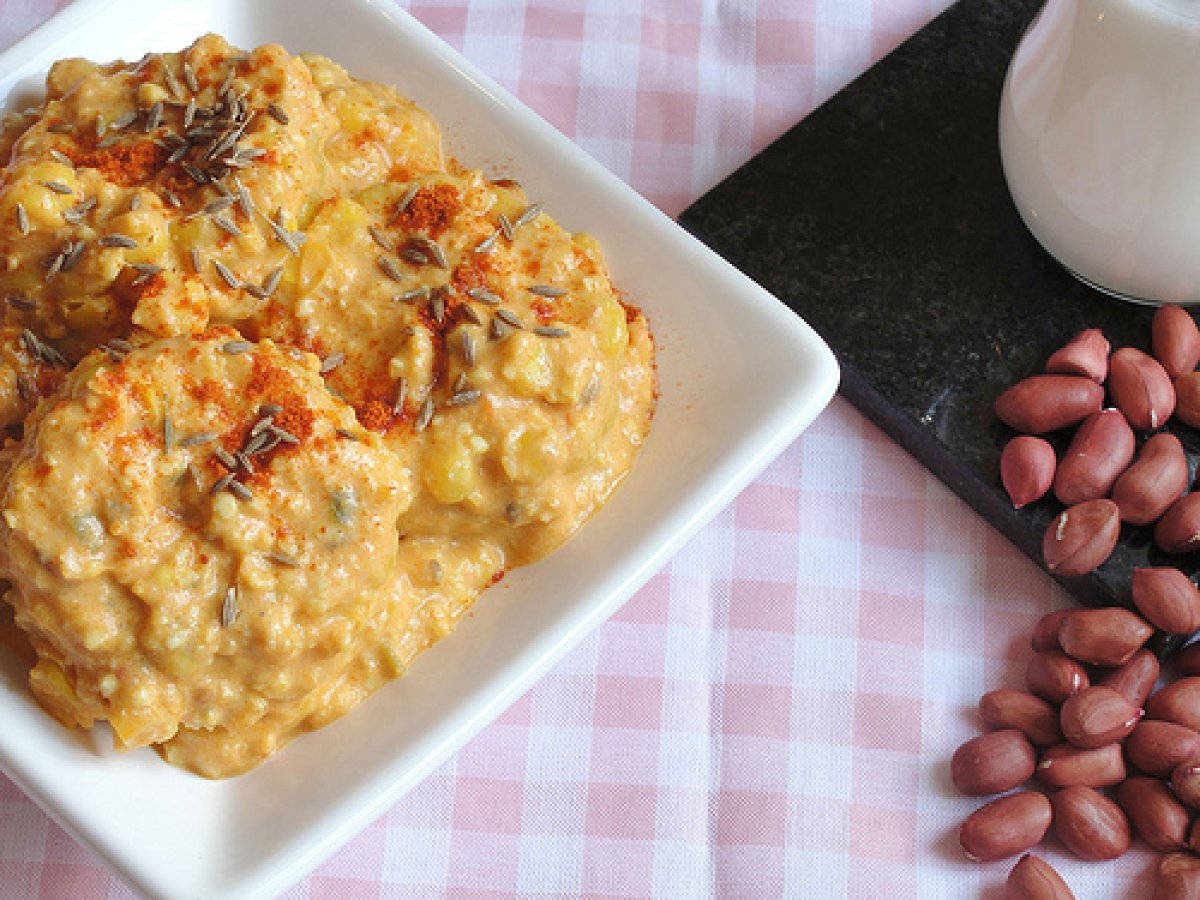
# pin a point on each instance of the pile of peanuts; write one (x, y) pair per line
(1098, 479)
(1114, 754)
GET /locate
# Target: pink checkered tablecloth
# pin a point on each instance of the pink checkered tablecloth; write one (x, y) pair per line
(773, 714)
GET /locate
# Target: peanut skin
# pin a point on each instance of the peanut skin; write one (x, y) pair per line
(1064, 765)
(1101, 449)
(1045, 632)
(1141, 388)
(1033, 878)
(1156, 747)
(1187, 398)
(993, 763)
(1005, 827)
(1175, 340)
(1178, 877)
(1091, 826)
(1167, 598)
(1027, 465)
(1054, 676)
(1178, 702)
(1158, 818)
(1097, 716)
(1043, 403)
(1178, 531)
(1085, 354)
(1103, 637)
(1081, 538)
(1135, 679)
(1032, 716)
(1185, 782)
(1159, 477)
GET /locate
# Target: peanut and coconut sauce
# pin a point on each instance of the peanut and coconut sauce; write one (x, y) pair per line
(285, 390)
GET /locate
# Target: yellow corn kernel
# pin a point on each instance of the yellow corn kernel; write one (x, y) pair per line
(52, 688)
(612, 334)
(415, 362)
(87, 312)
(526, 365)
(344, 221)
(529, 453)
(451, 469)
(353, 112)
(149, 93)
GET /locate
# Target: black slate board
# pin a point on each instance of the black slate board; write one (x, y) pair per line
(883, 219)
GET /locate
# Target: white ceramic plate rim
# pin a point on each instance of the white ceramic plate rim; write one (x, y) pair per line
(741, 377)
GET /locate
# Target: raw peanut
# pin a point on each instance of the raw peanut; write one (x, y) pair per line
(1044, 403)
(1032, 716)
(1159, 477)
(1141, 388)
(1167, 598)
(1089, 824)
(1103, 637)
(1097, 716)
(1178, 531)
(1187, 398)
(1175, 340)
(1178, 702)
(1033, 878)
(1099, 452)
(1194, 837)
(1136, 679)
(1185, 781)
(992, 763)
(1064, 765)
(1081, 538)
(1027, 466)
(1005, 827)
(1045, 632)
(1085, 354)
(1054, 676)
(1155, 747)
(1187, 660)
(1178, 877)
(1158, 818)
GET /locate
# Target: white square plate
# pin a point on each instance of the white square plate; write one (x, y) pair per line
(740, 378)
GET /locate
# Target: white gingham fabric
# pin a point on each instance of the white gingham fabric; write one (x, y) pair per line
(773, 715)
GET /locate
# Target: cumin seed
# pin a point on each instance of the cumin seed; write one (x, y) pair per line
(531, 212)
(117, 240)
(424, 415)
(331, 362)
(239, 490)
(401, 396)
(227, 276)
(483, 295)
(199, 439)
(389, 268)
(229, 607)
(405, 200)
(465, 397)
(509, 318)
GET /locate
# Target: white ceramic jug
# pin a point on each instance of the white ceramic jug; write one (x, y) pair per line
(1100, 140)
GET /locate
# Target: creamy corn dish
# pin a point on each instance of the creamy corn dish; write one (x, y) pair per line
(283, 390)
